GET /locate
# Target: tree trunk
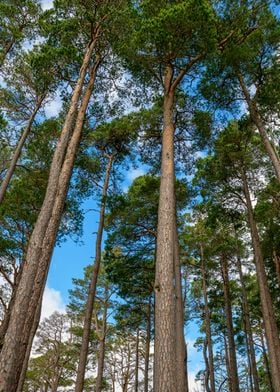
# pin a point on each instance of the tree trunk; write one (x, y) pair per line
(266, 363)
(181, 350)
(29, 347)
(207, 372)
(43, 237)
(248, 329)
(230, 387)
(257, 120)
(147, 348)
(136, 362)
(276, 260)
(228, 310)
(6, 181)
(101, 351)
(92, 289)
(165, 343)
(270, 325)
(207, 321)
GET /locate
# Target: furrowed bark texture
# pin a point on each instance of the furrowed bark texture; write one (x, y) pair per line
(231, 344)
(42, 240)
(270, 325)
(147, 348)
(165, 342)
(92, 289)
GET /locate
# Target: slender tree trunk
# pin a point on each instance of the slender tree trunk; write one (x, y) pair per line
(42, 240)
(270, 325)
(257, 120)
(6, 181)
(92, 289)
(165, 343)
(207, 321)
(248, 329)
(266, 363)
(181, 349)
(147, 348)
(206, 361)
(102, 346)
(136, 383)
(230, 333)
(230, 387)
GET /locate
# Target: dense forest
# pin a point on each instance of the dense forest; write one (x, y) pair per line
(185, 93)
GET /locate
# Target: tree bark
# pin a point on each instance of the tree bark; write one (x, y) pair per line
(165, 342)
(266, 364)
(276, 260)
(228, 310)
(92, 289)
(270, 325)
(230, 387)
(147, 348)
(6, 181)
(101, 351)
(181, 349)
(136, 383)
(257, 120)
(207, 321)
(43, 237)
(248, 329)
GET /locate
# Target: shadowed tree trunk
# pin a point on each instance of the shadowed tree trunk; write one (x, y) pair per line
(227, 364)
(270, 325)
(92, 289)
(136, 383)
(43, 237)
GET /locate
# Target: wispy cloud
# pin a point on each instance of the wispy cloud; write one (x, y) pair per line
(47, 4)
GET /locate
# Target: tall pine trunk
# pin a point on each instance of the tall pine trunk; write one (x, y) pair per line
(270, 325)
(92, 289)
(248, 328)
(258, 121)
(43, 237)
(136, 382)
(147, 348)
(6, 181)
(165, 378)
(228, 310)
(102, 343)
(181, 349)
(207, 321)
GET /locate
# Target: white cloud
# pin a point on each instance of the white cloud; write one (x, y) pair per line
(53, 107)
(134, 173)
(47, 4)
(52, 301)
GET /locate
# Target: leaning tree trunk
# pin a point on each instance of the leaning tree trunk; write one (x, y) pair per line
(92, 288)
(181, 350)
(42, 240)
(6, 181)
(207, 321)
(266, 362)
(165, 378)
(258, 121)
(270, 325)
(228, 310)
